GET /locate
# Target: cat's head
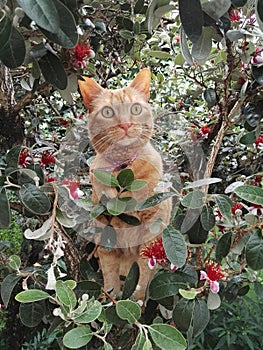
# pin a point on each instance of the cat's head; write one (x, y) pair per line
(120, 117)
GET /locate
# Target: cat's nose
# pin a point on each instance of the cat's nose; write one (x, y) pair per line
(125, 126)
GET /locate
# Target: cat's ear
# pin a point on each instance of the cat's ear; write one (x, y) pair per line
(89, 90)
(142, 82)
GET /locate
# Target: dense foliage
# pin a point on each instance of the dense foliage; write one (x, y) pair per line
(207, 76)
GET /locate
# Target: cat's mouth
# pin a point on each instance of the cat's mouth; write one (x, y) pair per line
(127, 140)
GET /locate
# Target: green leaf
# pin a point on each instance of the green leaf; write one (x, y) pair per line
(77, 337)
(154, 200)
(188, 294)
(184, 47)
(12, 158)
(202, 47)
(34, 199)
(106, 178)
(130, 219)
(31, 295)
(128, 310)
(196, 234)
(136, 185)
(139, 6)
(139, 342)
(53, 70)
(126, 34)
(210, 98)
(108, 237)
(65, 294)
(202, 182)
(248, 139)
(7, 286)
(159, 54)
(257, 73)
(125, 178)
(43, 12)
(174, 246)
(112, 316)
(254, 251)
(14, 262)
(31, 314)
(207, 218)
(223, 246)
(167, 337)
(156, 10)
(12, 54)
(5, 29)
(183, 314)
(5, 214)
(201, 316)
(97, 210)
(213, 301)
(115, 206)
(64, 220)
(42, 233)
(93, 289)
(91, 314)
(166, 284)
(250, 193)
(259, 12)
(193, 200)
(67, 34)
(216, 8)
(192, 20)
(253, 113)
(131, 281)
(224, 204)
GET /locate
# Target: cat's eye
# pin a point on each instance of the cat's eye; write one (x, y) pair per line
(107, 112)
(136, 109)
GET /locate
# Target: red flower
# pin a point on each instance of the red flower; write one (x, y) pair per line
(241, 81)
(237, 206)
(259, 140)
(257, 180)
(213, 271)
(64, 123)
(81, 52)
(47, 158)
(154, 250)
(212, 274)
(73, 186)
(234, 16)
(205, 130)
(23, 158)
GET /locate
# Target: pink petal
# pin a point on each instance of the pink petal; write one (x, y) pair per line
(151, 263)
(214, 286)
(203, 275)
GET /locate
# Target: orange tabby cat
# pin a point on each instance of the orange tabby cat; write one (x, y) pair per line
(120, 127)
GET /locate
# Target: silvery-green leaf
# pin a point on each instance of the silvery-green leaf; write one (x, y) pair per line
(213, 301)
(40, 234)
(216, 8)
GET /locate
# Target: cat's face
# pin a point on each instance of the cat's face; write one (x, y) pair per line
(119, 118)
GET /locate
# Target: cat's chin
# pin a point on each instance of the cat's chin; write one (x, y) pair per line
(127, 141)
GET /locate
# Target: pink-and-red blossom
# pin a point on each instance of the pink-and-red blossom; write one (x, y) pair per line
(155, 252)
(212, 274)
(237, 209)
(80, 54)
(73, 187)
(235, 16)
(47, 158)
(24, 158)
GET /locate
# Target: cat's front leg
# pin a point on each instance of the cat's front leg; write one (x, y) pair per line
(109, 261)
